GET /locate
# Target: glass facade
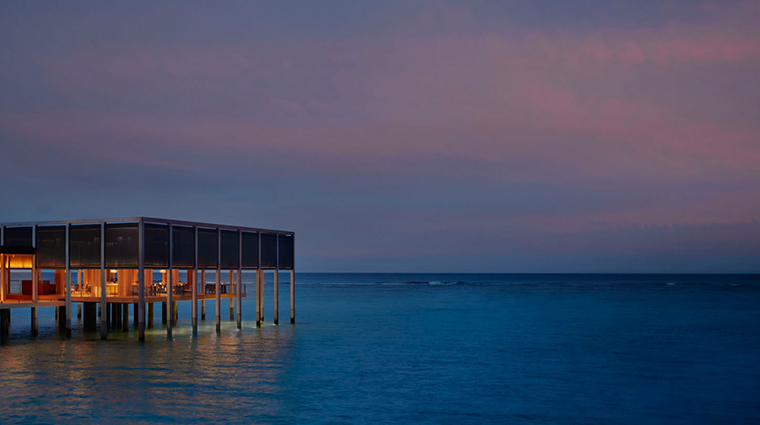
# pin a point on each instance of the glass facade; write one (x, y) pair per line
(18, 236)
(250, 250)
(51, 247)
(122, 245)
(230, 249)
(84, 246)
(268, 250)
(287, 252)
(156, 245)
(183, 247)
(208, 248)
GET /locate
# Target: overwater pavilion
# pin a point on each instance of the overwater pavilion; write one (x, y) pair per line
(115, 259)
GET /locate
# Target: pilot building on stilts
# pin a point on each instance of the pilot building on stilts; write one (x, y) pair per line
(103, 267)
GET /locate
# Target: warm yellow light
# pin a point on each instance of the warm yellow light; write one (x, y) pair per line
(113, 271)
(163, 271)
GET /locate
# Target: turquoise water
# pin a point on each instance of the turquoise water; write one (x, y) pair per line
(424, 348)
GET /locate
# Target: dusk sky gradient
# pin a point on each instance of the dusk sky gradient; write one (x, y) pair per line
(479, 136)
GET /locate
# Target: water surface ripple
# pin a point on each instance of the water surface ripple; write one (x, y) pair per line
(397, 348)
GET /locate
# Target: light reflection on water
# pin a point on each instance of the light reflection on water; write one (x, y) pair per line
(415, 349)
(230, 376)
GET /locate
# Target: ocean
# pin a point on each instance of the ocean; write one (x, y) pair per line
(415, 348)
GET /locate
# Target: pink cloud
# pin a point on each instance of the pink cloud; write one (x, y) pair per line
(578, 107)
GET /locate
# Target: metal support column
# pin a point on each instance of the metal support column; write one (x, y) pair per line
(203, 288)
(239, 291)
(35, 285)
(195, 284)
(141, 280)
(218, 280)
(293, 283)
(103, 287)
(170, 286)
(276, 281)
(259, 295)
(2, 277)
(2, 268)
(67, 282)
(292, 296)
(231, 291)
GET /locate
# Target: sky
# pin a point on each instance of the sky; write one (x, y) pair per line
(399, 136)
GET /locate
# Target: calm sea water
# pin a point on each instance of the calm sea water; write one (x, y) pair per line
(416, 348)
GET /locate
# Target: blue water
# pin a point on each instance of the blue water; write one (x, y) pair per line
(422, 348)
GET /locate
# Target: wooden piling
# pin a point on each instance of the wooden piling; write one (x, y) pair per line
(125, 317)
(5, 322)
(35, 327)
(115, 315)
(150, 315)
(90, 316)
(62, 322)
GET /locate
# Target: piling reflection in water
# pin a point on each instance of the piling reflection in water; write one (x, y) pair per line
(231, 375)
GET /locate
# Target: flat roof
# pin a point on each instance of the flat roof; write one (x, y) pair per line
(152, 220)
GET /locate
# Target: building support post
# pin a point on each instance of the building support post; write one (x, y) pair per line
(203, 288)
(80, 279)
(103, 287)
(67, 282)
(170, 286)
(293, 283)
(239, 292)
(115, 315)
(259, 295)
(150, 315)
(276, 281)
(219, 280)
(195, 285)
(90, 316)
(125, 317)
(35, 284)
(5, 322)
(292, 296)
(141, 282)
(231, 291)
(2, 276)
